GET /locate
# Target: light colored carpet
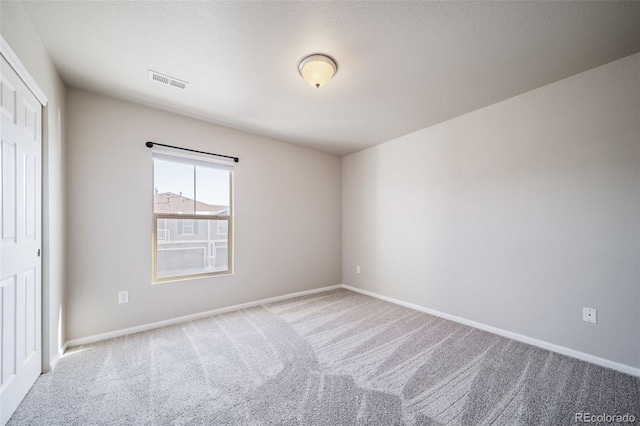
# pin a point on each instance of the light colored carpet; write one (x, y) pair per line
(334, 358)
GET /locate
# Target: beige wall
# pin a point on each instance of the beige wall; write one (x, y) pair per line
(516, 216)
(287, 216)
(17, 30)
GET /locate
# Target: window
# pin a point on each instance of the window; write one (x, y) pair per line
(222, 228)
(185, 226)
(192, 217)
(162, 232)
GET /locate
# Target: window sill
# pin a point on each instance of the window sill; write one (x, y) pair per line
(190, 277)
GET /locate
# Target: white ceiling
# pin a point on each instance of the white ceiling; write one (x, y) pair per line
(403, 66)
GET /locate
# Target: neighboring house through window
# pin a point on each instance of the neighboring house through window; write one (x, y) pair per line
(192, 217)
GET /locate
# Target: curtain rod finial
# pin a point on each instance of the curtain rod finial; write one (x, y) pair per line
(149, 144)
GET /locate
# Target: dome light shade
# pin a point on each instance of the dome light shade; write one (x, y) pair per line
(317, 69)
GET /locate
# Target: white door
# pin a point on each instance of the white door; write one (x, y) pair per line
(20, 291)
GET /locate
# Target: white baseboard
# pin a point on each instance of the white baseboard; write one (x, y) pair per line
(187, 318)
(511, 335)
(515, 336)
(54, 362)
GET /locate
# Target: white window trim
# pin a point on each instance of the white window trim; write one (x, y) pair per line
(194, 160)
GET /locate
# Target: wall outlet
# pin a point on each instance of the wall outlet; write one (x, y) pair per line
(590, 315)
(123, 297)
(357, 269)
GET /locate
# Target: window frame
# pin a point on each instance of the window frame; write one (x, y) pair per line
(156, 216)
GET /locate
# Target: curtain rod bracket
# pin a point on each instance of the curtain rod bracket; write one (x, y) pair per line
(150, 144)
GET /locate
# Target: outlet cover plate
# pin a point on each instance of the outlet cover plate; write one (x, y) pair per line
(590, 315)
(123, 297)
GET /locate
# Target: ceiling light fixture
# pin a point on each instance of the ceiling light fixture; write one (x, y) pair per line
(317, 69)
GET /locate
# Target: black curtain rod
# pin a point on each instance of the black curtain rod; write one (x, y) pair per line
(151, 144)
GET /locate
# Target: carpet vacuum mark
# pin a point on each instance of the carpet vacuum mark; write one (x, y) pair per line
(333, 358)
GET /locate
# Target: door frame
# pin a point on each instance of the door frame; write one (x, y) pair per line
(12, 58)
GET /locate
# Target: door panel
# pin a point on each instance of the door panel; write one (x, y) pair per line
(8, 329)
(30, 196)
(20, 238)
(9, 198)
(8, 99)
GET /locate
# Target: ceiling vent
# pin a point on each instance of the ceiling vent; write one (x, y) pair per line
(165, 79)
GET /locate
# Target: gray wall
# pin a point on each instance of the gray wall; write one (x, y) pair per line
(515, 216)
(287, 216)
(17, 30)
